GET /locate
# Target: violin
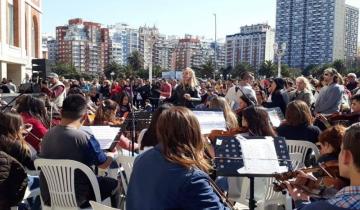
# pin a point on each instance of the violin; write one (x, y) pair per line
(324, 183)
(232, 132)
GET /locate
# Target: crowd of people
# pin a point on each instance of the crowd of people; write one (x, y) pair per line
(324, 111)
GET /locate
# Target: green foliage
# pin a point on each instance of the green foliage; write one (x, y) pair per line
(135, 61)
(339, 65)
(113, 67)
(289, 72)
(208, 69)
(66, 70)
(240, 68)
(268, 69)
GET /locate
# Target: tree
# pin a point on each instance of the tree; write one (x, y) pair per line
(157, 71)
(267, 69)
(65, 69)
(113, 67)
(135, 61)
(309, 69)
(240, 68)
(207, 68)
(339, 65)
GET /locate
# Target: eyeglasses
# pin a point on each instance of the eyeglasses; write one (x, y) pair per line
(318, 145)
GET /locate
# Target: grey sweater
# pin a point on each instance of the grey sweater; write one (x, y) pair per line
(329, 99)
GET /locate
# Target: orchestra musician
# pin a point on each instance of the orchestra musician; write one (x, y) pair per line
(177, 165)
(349, 167)
(106, 115)
(33, 112)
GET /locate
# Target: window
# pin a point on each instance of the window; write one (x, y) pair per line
(10, 23)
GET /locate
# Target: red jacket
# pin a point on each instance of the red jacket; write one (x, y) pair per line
(38, 130)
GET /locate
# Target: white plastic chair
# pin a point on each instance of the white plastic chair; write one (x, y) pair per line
(99, 206)
(299, 146)
(141, 136)
(60, 178)
(126, 163)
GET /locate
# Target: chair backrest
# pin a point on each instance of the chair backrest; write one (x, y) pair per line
(126, 163)
(99, 206)
(296, 160)
(299, 146)
(60, 178)
(140, 137)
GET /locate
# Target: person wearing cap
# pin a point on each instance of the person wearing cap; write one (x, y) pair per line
(351, 82)
(56, 91)
(330, 96)
(278, 95)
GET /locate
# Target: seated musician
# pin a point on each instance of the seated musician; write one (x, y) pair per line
(354, 116)
(67, 141)
(149, 139)
(257, 120)
(106, 115)
(244, 101)
(177, 165)
(329, 143)
(298, 124)
(33, 112)
(349, 166)
(218, 102)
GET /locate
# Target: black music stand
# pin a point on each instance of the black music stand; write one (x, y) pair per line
(230, 160)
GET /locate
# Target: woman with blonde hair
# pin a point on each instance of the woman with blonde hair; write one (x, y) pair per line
(230, 117)
(303, 91)
(187, 91)
(177, 165)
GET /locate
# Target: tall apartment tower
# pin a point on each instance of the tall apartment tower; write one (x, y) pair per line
(124, 41)
(313, 31)
(351, 33)
(253, 45)
(83, 44)
(148, 37)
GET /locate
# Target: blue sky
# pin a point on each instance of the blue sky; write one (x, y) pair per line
(171, 17)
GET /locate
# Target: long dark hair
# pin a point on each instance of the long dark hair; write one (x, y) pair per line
(258, 121)
(149, 138)
(35, 107)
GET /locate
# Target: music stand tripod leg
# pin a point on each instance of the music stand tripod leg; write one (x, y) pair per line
(252, 201)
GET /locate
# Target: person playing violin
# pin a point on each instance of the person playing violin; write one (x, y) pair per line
(106, 115)
(349, 167)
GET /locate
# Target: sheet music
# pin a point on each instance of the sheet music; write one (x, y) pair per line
(104, 134)
(210, 120)
(259, 156)
(274, 117)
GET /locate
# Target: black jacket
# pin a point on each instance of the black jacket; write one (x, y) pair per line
(279, 99)
(13, 181)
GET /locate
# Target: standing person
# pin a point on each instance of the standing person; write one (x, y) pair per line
(105, 90)
(244, 87)
(186, 93)
(165, 89)
(178, 166)
(11, 86)
(329, 99)
(56, 91)
(67, 141)
(351, 82)
(278, 96)
(349, 166)
(302, 92)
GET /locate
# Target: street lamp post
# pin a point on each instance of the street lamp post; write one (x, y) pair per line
(215, 46)
(221, 76)
(279, 52)
(112, 75)
(150, 37)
